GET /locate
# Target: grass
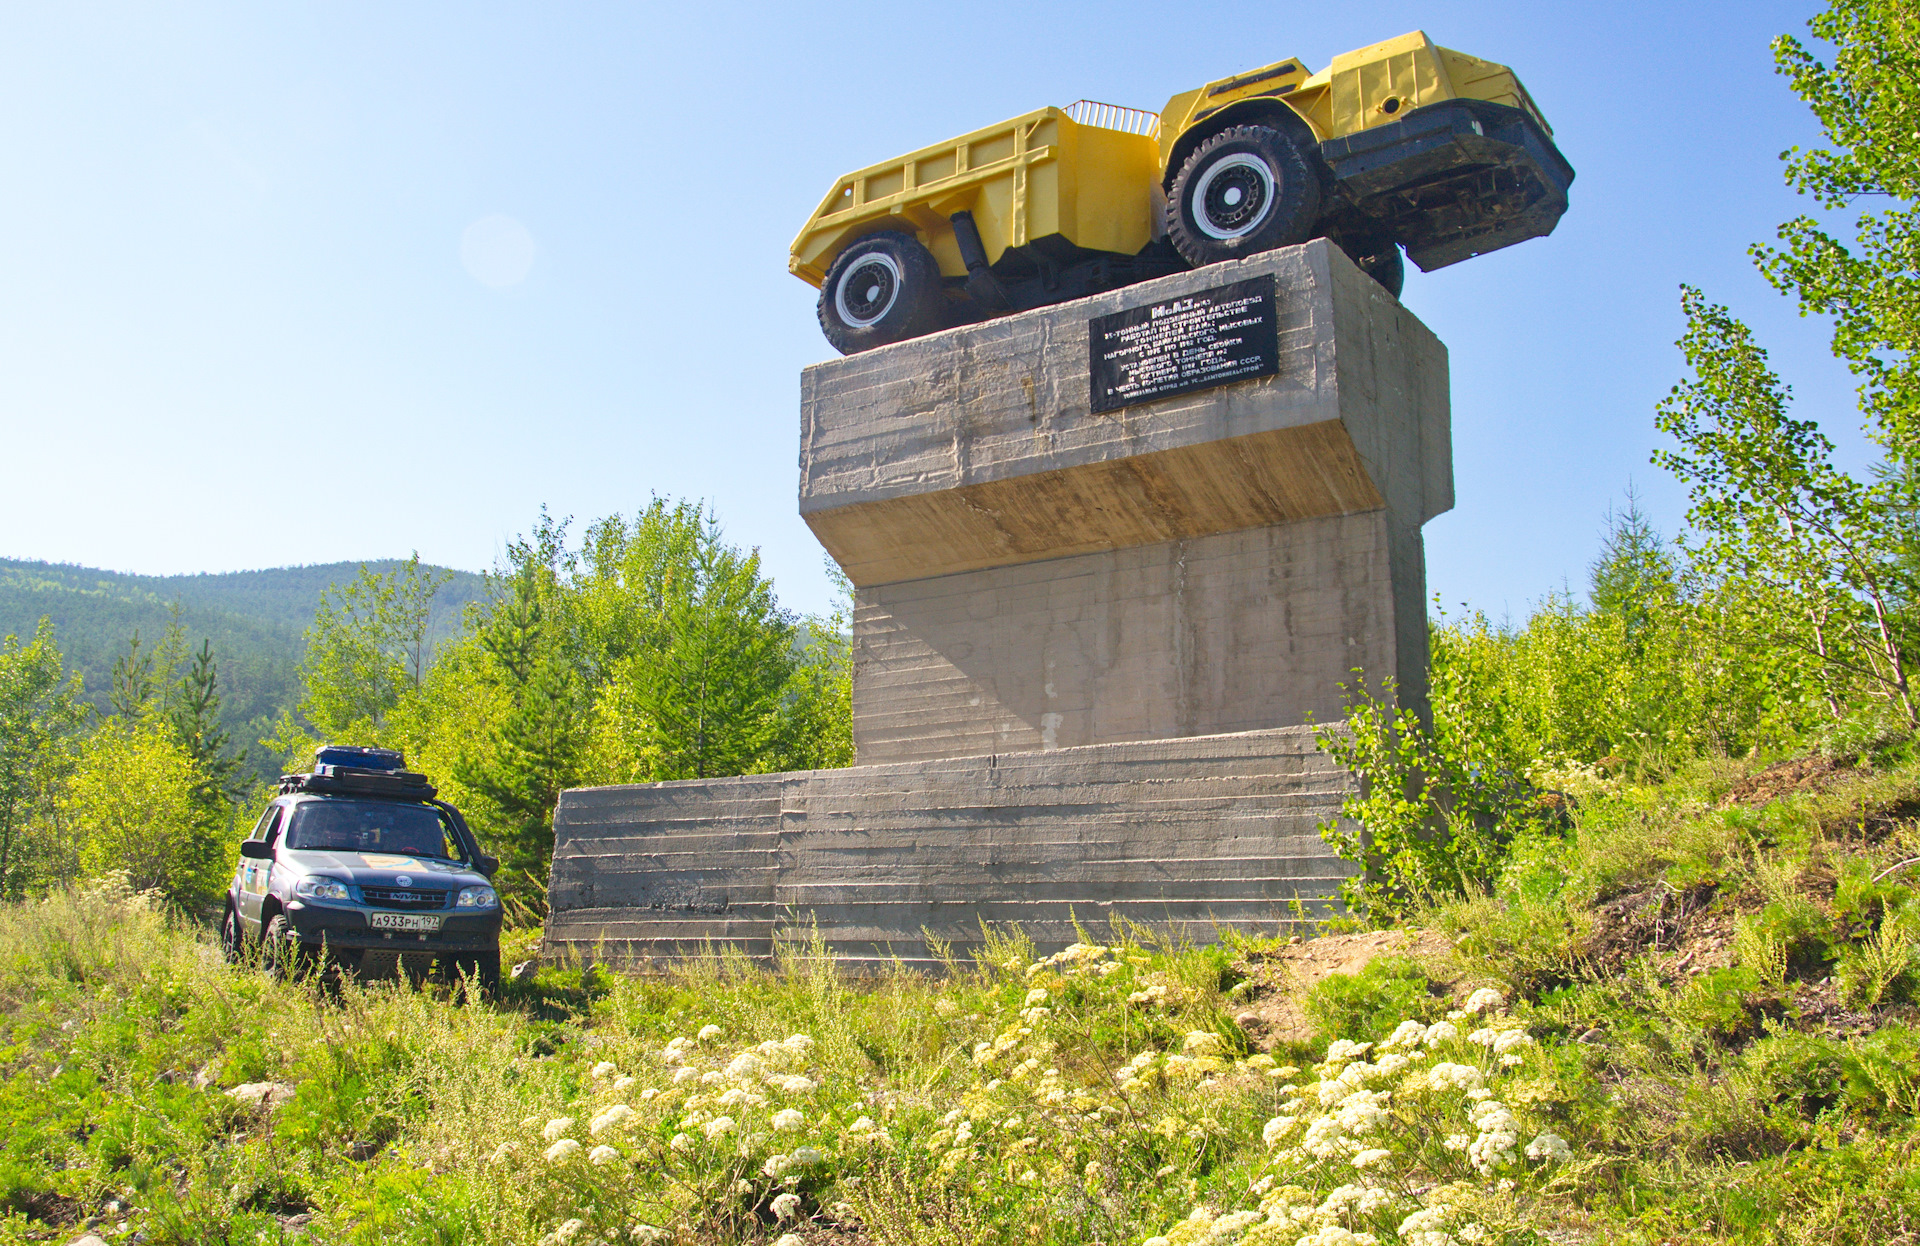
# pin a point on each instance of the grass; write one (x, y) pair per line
(1697, 1014)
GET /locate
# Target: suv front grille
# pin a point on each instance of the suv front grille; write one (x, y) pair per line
(403, 898)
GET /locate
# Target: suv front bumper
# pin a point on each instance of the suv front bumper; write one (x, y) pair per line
(344, 926)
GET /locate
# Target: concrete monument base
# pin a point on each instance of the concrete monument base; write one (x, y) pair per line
(1085, 641)
(1186, 836)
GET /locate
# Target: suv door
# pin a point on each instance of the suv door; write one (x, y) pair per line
(254, 874)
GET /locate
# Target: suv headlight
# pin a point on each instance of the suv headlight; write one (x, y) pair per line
(480, 897)
(313, 887)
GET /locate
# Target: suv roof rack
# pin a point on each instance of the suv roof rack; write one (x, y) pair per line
(349, 770)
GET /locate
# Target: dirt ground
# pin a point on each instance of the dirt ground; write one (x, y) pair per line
(1274, 1012)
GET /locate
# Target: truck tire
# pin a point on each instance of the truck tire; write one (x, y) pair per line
(1245, 190)
(1380, 259)
(883, 288)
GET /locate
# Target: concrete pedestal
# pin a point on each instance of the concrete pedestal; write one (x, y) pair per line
(1084, 643)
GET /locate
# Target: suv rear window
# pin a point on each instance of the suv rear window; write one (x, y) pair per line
(370, 826)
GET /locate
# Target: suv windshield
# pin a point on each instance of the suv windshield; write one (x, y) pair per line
(370, 826)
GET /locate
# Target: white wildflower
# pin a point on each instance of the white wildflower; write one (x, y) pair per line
(556, 1127)
(681, 1076)
(1334, 1235)
(1441, 1032)
(746, 1064)
(615, 1117)
(1202, 1043)
(1038, 995)
(501, 1152)
(1341, 1050)
(622, 1084)
(807, 1156)
(718, 1127)
(603, 1070)
(1510, 1039)
(1484, 1037)
(647, 1094)
(797, 1044)
(1369, 1157)
(789, 1239)
(1406, 1034)
(681, 1143)
(1232, 1223)
(1549, 1147)
(562, 1151)
(788, 1119)
(1471, 1233)
(603, 1154)
(794, 1084)
(1447, 1075)
(732, 1098)
(646, 1234)
(786, 1206)
(1276, 1129)
(708, 1033)
(1457, 1142)
(1484, 1000)
(568, 1230)
(1512, 1060)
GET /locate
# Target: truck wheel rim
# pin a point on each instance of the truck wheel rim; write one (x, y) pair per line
(868, 289)
(1233, 196)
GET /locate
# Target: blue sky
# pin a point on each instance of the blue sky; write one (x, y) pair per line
(286, 283)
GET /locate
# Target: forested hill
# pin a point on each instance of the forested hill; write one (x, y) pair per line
(255, 619)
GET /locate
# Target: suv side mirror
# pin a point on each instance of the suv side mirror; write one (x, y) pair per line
(256, 849)
(488, 865)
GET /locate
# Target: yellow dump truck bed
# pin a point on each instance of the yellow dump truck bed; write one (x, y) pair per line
(1038, 175)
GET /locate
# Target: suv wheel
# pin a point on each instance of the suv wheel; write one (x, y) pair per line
(883, 288)
(482, 967)
(280, 951)
(1245, 190)
(232, 943)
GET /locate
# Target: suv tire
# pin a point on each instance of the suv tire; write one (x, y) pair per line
(1245, 190)
(281, 952)
(232, 942)
(883, 288)
(482, 967)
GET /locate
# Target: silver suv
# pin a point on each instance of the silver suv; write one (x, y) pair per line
(359, 866)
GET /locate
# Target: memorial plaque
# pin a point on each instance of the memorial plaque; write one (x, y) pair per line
(1193, 342)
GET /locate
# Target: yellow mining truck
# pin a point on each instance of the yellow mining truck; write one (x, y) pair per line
(1402, 144)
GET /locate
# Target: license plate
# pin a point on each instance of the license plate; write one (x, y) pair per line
(405, 921)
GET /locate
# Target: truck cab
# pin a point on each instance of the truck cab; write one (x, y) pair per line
(358, 865)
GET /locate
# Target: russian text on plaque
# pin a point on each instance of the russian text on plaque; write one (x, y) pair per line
(1193, 342)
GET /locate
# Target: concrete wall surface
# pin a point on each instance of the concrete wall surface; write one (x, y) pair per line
(1183, 835)
(1234, 632)
(977, 447)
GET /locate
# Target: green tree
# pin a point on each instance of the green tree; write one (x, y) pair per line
(195, 718)
(130, 805)
(1806, 550)
(367, 647)
(1866, 102)
(538, 747)
(708, 697)
(818, 729)
(41, 714)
